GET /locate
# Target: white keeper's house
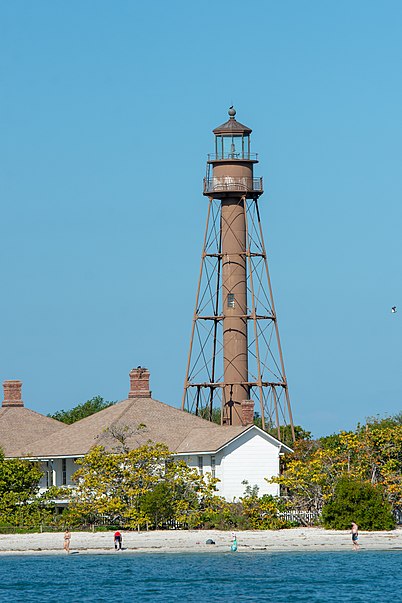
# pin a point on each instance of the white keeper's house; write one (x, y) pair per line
(232, 454)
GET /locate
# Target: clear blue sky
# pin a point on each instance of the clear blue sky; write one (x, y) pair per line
(106, 112)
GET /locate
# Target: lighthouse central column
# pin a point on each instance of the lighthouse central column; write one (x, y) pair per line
(234, 310)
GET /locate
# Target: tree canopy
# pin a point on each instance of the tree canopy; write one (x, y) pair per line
(81, 411)
(372, 454)
(358, 501)
(20, 504)
(147, 487)
(138, 487)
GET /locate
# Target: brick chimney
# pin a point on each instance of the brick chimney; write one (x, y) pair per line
(12, 393)
(139, 383)
(247, 412)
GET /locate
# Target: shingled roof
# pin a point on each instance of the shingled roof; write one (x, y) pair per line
(138, 419)
(20, 426)
(200, 440)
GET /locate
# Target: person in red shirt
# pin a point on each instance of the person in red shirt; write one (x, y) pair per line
(118, 539)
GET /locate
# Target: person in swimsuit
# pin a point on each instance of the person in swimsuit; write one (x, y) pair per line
(67, 538)
(355, 536)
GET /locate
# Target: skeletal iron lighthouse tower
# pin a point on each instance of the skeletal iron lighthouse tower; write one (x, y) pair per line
(235, 356)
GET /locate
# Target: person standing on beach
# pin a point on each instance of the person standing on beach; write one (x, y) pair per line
(118, 539)
(355, 536)
(67, 538)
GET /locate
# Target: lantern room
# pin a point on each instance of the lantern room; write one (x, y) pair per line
(232, 140)
(230, 168)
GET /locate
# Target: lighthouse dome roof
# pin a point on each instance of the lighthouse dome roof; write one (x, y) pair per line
(232, 126)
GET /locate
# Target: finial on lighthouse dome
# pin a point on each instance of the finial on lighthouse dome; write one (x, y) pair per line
(232, 112)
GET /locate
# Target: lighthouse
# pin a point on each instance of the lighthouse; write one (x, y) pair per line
(235, 366)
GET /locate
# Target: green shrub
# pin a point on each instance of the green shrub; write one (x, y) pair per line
(158, 504)
(230, 516)
(360, 502)
(262, 511)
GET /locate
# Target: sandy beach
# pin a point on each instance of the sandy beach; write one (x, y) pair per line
(297, 539)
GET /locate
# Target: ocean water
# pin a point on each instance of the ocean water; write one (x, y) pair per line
(224, 577)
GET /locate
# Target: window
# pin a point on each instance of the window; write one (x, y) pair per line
(64, 472)
(201, 465)
(231, 300)
(213, 465)
(49, 474)
(232, 147)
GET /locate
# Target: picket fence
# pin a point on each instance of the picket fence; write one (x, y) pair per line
(303, 518)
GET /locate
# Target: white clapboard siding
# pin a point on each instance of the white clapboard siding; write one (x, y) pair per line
(251, 457)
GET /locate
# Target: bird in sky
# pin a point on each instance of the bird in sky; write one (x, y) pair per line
(393, 309)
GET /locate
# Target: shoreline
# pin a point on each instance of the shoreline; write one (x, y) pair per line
(194, 541)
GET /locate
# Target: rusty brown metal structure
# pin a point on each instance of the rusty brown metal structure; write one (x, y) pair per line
(235, 351)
